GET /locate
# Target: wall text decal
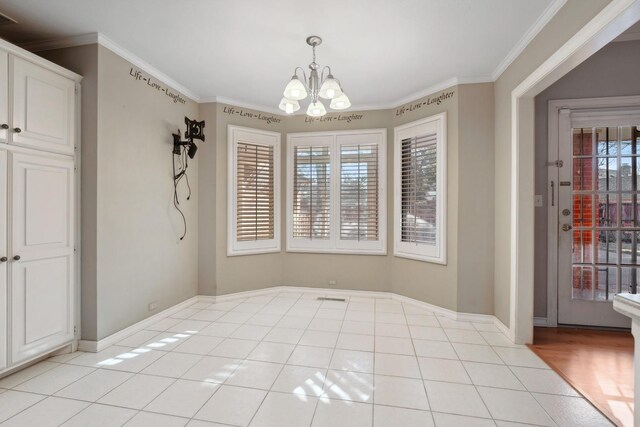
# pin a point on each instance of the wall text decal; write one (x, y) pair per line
(334, 118)
(269, 119)
(429, 101)
(153, 84)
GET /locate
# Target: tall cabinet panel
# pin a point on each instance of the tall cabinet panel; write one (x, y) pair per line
(3, 259)
(43, 108)
(42, 246)
(4, 97)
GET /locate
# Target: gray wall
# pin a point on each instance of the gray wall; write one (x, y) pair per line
(613, 71)
(131, 249)
(470, 172)
(567, 22)
(475, 199)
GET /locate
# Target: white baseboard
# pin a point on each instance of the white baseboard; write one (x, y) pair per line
(540, 321)
(95, 346)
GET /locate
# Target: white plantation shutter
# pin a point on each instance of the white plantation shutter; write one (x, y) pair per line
(420, 199)
(255, 200)
(312, 192)
(253, 191)
(336, 183)
(359, 192)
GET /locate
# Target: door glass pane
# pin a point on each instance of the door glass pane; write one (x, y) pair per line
(583, 173)
(606, 215)
(583, 210)
(605, 286)
(607, 176)
(582, 279)
(607, 241)
(606, 210)
(629, 280)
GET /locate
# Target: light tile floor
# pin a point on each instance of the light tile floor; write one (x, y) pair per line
(289, 359)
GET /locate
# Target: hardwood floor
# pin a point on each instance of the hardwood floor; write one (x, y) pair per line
(599, 364)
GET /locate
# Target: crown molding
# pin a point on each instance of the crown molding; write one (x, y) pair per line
(104, 41)
(101, 39)
(531, 33)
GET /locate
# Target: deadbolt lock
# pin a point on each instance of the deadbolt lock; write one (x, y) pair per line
(566, 227)
(566, 212)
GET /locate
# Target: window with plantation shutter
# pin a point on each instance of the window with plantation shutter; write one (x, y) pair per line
(359, 192)
(312, 192)
(336, 183)
(419, 206)
(254, 191)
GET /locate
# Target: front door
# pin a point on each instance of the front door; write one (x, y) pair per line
(598, 215)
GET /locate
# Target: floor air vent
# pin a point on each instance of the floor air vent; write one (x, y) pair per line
(332, 299)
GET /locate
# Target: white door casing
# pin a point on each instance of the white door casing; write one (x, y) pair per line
(41, 280)
(4, 97)
(3, 264)
(43, 108)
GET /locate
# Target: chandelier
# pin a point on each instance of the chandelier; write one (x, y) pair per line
(316, 86)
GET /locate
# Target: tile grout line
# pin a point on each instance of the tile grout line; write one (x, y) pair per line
(424, 387)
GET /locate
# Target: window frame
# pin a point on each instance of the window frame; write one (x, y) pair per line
(236, 134)
(334, 245)
(437, 253)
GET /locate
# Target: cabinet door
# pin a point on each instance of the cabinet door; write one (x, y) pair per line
(43, 108)
(4, 97)
(41, 281)
(3, 265)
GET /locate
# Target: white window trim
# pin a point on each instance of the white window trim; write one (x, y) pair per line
(234, 135)
(334, 245)
(437, 253)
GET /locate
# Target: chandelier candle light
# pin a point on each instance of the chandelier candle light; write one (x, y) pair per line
(316, 86)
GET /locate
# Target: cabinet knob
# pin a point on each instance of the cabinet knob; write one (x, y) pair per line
(4, 126)
(16, 258)
(17, 130)
(3, 259)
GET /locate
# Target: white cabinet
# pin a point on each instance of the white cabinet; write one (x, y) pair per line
(42, 254)
(37, 207)
(3, 259)
(42, 109)
(4, 96)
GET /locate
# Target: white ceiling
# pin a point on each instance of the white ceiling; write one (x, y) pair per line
(383, 51)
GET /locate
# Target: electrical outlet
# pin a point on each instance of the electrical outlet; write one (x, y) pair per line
(539, 201)
(153, 306)
(332, 283)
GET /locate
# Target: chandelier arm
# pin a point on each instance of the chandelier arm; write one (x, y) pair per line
(326, 67)
(304, 77)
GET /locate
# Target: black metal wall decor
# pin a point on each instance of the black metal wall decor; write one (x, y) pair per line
(185, 149)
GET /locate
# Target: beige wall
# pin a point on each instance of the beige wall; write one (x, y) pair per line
(567, 22)
(436, 284)
(475, 198)
(613, 71)
(130, 228)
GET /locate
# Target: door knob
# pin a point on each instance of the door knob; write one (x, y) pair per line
(17, 130)
(566, 227)
(4, 126)
(3, 259)
(16, 258)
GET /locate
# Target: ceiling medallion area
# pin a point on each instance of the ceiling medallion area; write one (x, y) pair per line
(317, 85)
